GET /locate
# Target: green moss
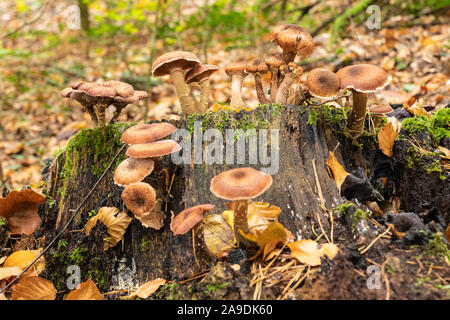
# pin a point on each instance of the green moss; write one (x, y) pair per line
(3, 221)
(212, 287)
(415, 124)
(342, 208)
(78, 255)
(438, 126)
(145, 245)
(358, 215)
(435, 166)
(436, 247)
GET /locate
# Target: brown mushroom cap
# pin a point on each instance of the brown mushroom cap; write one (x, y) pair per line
(20, 210)
(380, 109)
(175, 59)
(135, 97)
(322, 83)
(133, 170)
(95, 89)
(188, 218)
(240, 184)
(291, 37)
(256, 65)
(274, 61)
(122, 89)
(200, 72)
(363, 78)
(140, 198)
(153, 149)
(236, 67)
(145, 133)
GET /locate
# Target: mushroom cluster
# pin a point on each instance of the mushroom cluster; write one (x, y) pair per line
(95, 97)
(184, 68)
(145, 147)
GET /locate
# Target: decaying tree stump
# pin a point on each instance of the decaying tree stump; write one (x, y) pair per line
(302, 187)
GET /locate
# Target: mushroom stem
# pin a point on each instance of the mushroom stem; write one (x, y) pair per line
(183, 92)
(117, 112)
(260, 90)
(99, 109)
(236, 91)
(283, 90)
(240, 209)
(273, 83)
(202, 255)
(355, 124)
(205, 93)
(288, 56)
(90, 110)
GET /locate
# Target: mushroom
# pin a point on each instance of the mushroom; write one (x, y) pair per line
(378, 112)
(120, 103)
(175, 63)
(294, 40)
(237, 73)
(104, 95)
(200, 74)
(322, 83)
(291, 71)
(145, 133)
(361, 79)
(153, 149)
(191, 219)
(274, 63)
(258, 67)
(19, 208)
(239, 185)
(140, 198)
(133, 170)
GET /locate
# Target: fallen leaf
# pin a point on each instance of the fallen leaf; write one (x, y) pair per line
(20, 210)
(34, 288)
(147, 289)
(22, 258)
(6, 273)
(87, 291)
(260, 214)
(445, 151)
(417, 109)
(386, 139)
(339, 173)
(116, 225)
(218, 235)
(189, 218)
(447, 233)
(155, 218)
(309, 252)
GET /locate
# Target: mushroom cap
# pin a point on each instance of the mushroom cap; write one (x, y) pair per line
(188, 218)
(153, 149)
(140, 198)
(122, 89)
(135, 97)
(236, 67)
(380, 109)
(240, 184)
(99, 89)
(257, 66)
(200, 72)
(20, 210)
(145, 133)
(133, 170)
(291, 37)
(363, 78)
(322, 83)
(174, 60)
(274, 61)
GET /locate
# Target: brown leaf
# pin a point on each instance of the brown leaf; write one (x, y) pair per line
(34, 288)
(155, 218)
(22, 258)
(309, 252)
(218, 235)
(87, 291)
(260, 214)
(417, 109)
(386, 139)
(6, 273)
(20, 210)
(339, 173)
(147, 289)
(447, 233)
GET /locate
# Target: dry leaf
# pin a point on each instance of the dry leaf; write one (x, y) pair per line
(34, 288)
(417, 109)
(22, 258)
(6, 273)
(309, 252)
(116, 225)
(447, 233)
(445, 151)
(87, 291)
(339, 173)
(147, 289)
(155, 218)
(20, 210)
(218, 235)
(386, 139)
(2, 297)
(228, 216)
(260, 214)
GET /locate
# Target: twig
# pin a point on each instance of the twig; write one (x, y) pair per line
(67, 224)
(331, 100)
(375, 240)
(386, 280)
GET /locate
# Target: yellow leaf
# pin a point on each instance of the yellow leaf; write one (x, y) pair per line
(260, 214)
(34, 288)
(228, 216)
(417, 109)
(445, 151)
(339, 173)
(145, 290)
(309, 252)
(87, 291)
(22, 258)
(116, 225)
(386, 139)
(8, 272)
(218, 235)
